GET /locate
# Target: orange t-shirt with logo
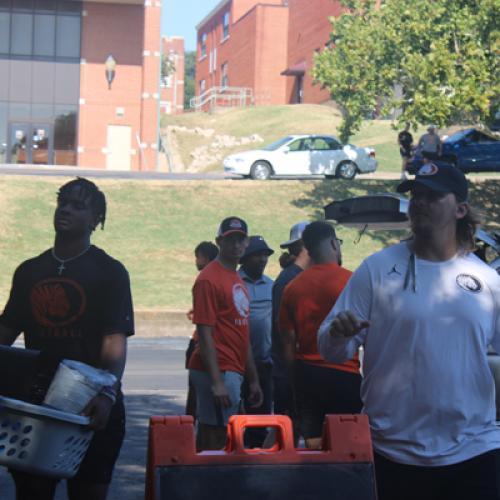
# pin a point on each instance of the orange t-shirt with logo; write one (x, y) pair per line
(220, 300)
(306, 302)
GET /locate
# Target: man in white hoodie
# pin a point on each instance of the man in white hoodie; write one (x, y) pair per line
(425, 311)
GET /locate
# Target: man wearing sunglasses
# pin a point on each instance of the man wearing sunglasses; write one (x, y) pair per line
(425, 311)
(319, 387)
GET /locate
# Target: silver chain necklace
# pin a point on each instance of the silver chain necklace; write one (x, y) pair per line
(62, 267)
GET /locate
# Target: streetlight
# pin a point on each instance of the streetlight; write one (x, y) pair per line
(110, 66)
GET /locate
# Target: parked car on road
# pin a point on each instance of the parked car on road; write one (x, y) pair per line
(470, 150)
(303, 155)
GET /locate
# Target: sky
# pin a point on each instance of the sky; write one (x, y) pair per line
(179, 18)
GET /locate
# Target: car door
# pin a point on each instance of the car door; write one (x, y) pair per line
(320, 157)
(479, 152)
(293, 159)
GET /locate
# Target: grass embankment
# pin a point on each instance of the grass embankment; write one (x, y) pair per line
(273, 122)
(153, 227)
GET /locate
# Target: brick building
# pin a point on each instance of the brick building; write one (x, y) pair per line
(266, 46)
(309, 31)
(242, 43)
(172, 85)
(56, 105)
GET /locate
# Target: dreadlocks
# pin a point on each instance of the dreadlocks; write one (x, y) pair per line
(89, 190)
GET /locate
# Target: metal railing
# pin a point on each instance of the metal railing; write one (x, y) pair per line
(222, 97)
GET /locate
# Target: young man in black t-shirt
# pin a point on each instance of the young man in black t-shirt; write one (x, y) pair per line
(405, 141)
(73, 302)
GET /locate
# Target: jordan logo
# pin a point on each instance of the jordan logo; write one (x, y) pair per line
(394, 271)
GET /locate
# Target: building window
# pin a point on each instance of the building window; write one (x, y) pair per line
(203, 46)
(203, 86)
(224, 81)
(225, 26)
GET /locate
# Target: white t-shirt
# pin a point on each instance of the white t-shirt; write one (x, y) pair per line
(427, 388)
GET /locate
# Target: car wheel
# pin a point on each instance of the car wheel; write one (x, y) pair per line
(261, 171)
(346, 170)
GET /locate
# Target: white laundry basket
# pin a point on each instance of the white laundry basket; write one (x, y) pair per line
(41, 440)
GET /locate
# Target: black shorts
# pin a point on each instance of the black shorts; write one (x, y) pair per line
(405, 153)
(321, 391)
(98, 464)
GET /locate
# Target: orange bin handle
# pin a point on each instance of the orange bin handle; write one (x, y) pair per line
(236, 430)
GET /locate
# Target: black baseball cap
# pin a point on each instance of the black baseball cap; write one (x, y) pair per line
(232, 225)
(257, 244)
(441, 177)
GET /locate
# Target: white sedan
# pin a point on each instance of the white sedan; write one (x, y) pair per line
(303, 155)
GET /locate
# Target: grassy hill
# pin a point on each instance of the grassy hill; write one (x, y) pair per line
(153, 227)
(273, 122)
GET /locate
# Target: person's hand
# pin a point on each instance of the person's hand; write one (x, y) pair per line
(221, 395)
(98, 410)
(346, 324)
(190, 315)
(255, 395)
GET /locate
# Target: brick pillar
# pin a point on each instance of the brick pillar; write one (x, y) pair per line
(150, 85)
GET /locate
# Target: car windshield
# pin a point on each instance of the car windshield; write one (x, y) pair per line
(275, 145)
(458, 136)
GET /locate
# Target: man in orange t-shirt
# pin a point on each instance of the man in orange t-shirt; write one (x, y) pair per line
(222, 356)
(320, 387)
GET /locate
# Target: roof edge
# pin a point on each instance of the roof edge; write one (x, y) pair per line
(219, 6)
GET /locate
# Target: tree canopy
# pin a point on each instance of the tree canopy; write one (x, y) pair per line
(435, 60)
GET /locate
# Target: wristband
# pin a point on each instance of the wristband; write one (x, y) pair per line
(109, 392)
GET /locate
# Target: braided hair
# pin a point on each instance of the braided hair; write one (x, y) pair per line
(89, 190)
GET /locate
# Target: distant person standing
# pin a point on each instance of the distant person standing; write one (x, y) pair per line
(405, 141)
(259, 286)
(223, 356)
(320, 387)
(429, 145)
(204, 253)
(293, 262)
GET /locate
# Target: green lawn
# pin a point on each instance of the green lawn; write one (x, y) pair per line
(153, 227)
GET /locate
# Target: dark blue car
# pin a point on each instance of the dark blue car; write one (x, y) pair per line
(470, 150)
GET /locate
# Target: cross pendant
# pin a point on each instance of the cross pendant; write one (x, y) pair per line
(61, 268)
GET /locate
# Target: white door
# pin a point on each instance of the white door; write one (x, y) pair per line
(293, 159)
(119, 145)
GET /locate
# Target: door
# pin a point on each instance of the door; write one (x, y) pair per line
(294, 158)
(41, 144)
(119, 146)
(30, 143)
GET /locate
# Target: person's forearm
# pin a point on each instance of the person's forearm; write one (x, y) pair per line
(114, 355)
(208, 353)
(288, 343)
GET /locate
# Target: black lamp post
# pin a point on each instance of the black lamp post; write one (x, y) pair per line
(110, 66)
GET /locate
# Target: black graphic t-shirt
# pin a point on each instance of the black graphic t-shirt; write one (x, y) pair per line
(68, 314)
(405, 140)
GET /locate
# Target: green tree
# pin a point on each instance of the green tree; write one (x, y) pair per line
(167, 66)
(443, 57)
(189, 77)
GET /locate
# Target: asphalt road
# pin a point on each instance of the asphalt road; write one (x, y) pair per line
(154, 384)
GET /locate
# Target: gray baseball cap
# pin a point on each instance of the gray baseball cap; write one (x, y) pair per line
(295, 233)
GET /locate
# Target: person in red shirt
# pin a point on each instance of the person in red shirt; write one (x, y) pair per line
(204, 253)
(320, 387)
(222, 357)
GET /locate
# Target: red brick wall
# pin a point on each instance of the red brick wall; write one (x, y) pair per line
(255, 50)
(308, 30)
(119, 30)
